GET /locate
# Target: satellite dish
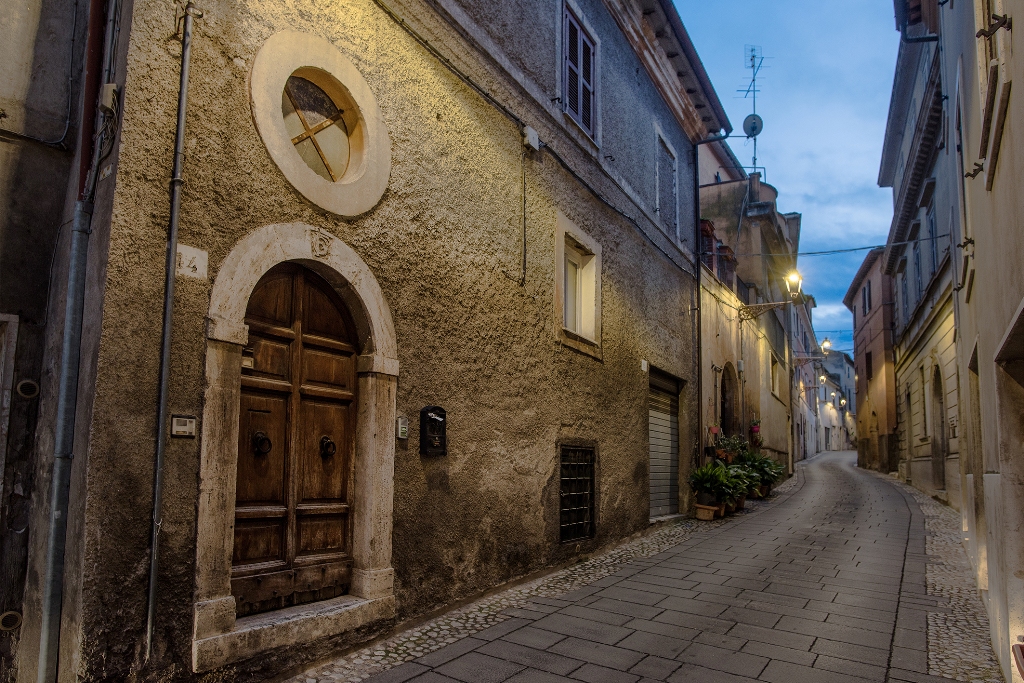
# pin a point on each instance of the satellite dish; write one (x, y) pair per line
(753, 125)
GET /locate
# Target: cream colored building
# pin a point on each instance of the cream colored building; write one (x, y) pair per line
(985, 146)
(747, 359)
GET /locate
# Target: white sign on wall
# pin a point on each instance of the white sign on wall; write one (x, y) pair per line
(192, 262)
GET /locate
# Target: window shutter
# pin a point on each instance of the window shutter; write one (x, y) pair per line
(578, 85)
(572, 66)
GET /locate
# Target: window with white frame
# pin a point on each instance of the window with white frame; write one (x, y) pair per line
(775, 374)
(668, 184)
(577, 287)
(579, 71)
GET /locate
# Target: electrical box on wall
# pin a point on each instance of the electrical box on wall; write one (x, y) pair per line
(402, 428)
(433, 431)
(183, 426)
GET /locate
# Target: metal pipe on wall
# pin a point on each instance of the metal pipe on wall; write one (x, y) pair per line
(71, 346)
(191, 12)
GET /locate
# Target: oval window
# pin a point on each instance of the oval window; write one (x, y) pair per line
(316, 127)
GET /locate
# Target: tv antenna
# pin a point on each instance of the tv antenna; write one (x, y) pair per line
(752, 125)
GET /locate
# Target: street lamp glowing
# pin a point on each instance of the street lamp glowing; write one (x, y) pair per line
(822, 379)
(842, 401)
(826, 344)
(793, 283)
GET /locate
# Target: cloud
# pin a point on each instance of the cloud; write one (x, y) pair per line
(824, 98)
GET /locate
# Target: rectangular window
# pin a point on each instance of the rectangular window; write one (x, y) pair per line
(869, 294)
(576, 494)
(573, 311)
(864, 300)
(668, 204)
(577, 303)
(580, 65)
(579, 291)
(868, 370)
(775, 375)
(933, 233)
(919, 281)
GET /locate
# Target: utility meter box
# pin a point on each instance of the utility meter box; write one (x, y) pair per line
(433, 431)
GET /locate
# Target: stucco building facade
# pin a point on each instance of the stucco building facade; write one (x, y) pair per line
(434, 323)
(749, 250)
(978, 67)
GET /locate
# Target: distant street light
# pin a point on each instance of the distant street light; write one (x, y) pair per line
(826, 344)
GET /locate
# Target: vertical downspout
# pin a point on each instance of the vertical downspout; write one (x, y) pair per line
(165, 342)
(699, 272)
(71, 345)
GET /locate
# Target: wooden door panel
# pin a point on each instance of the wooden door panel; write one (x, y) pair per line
(322, 535)
(324, 479)
(272, 300)
(261, 478)
(321, 314)
(258, 541)
(271, 358)
(328, 368)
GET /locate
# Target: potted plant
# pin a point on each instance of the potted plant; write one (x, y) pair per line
(714, 428)
(732, 446)
(755, 425)
(706, 482)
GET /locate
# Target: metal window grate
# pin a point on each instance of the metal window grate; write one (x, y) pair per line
(576, 496)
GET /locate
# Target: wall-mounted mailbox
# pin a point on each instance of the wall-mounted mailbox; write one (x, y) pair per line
(433, 431)
(183, 426)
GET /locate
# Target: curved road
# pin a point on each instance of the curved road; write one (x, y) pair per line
(825, 585)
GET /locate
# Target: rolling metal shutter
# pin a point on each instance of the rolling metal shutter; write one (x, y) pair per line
(663, 429)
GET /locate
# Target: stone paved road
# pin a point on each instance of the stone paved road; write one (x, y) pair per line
(827, 585)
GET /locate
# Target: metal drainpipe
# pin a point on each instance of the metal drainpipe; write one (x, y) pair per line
(71, 348)
(165, 343)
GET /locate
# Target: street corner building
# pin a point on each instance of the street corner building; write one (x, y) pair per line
(427, 321)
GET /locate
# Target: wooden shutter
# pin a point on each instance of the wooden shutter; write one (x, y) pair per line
(579, 73)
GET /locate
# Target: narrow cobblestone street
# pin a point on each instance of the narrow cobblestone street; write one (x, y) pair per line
(831, 580)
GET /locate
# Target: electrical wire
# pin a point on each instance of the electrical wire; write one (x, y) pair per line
(59, 142)
(845, 251)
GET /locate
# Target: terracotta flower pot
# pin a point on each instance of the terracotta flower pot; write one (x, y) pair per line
(730, 508)
(706, 512)
(766, 489)
(740, 502)
(721, 510)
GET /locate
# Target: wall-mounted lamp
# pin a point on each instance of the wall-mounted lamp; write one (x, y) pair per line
(826, 344)
(822, 379)
(794, 282)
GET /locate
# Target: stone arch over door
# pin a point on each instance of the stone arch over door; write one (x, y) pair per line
(219, 637)
(729, 401)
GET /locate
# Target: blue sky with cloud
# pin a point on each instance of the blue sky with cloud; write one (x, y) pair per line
(824, 100)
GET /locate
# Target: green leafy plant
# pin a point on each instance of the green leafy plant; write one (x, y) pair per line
(733, 444)
(767, 470)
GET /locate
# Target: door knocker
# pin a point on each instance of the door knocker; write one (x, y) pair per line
(261, 443)
(327, 447)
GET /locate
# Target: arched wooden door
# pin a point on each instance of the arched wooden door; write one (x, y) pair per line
(296, 444)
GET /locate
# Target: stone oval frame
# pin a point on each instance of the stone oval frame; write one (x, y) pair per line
(218, 637)
(317, 59)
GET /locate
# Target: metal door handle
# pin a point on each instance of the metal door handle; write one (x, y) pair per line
(261, 443)
(327, 447)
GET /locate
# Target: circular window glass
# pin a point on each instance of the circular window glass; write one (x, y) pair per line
(316, 126)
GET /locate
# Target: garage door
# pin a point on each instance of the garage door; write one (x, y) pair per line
(663, 427)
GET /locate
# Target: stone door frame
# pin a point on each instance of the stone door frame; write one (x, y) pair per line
(218, 637)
